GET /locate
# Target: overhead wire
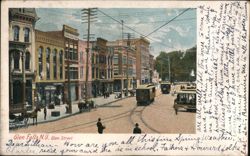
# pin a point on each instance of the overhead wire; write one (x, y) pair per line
(146, 36)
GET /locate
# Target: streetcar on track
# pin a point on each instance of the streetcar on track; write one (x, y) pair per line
(186, 99)
(145, 94)
(165, 87)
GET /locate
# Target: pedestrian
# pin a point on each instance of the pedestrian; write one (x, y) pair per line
(137, 130)
(100, 127)
(45, 112)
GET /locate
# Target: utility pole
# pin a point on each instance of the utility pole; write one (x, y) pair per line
(69, 90)
(90, 14)
(122, 63)
(128, 43)
(169, 74)
(128, 49)
(161, 71)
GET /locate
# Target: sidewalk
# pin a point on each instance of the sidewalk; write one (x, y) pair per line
(99, 101)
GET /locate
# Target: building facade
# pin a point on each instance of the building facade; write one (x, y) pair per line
(123, 66)
(141, 46)
(21, 58)
(49, 62)
(71, 62)
(82, 46)
(102, 67)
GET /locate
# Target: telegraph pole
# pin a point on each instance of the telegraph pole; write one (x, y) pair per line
(69, 90)
(90, 14)
(169, 74)
(122, 62)
(128, 49)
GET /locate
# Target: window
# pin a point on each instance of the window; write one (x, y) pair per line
(97, 59)
(26, 34)
(66, 53)
(27, 61)
(48, 62)
(93, 58)
(16, 60)
(73, 72)
(116, 60)
(55, 63)
(70, 54)
(61, 64)
(75, 55)
(97, 71)
(16, 33)
(93, 72)
(124, 60)
(40, 61)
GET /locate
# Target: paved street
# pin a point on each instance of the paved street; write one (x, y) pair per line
(120, 117)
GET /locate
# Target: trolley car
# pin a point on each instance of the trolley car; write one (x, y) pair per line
(165, 87)
(186, 99)
(145, 94)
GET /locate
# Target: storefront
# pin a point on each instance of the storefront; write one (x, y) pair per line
(49, 93)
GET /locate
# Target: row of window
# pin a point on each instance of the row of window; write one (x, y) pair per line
(17, 57)
(48, 64)
(101, 73)
(16, 33)
(101, 59)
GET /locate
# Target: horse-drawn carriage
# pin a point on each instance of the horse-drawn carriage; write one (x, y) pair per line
(22, 120)
(85, 106)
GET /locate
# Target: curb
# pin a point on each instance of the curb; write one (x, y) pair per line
(46, 121)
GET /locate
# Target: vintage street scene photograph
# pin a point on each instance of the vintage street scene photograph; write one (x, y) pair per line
(102, 70)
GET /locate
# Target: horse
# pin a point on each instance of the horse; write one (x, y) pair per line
(32, 115)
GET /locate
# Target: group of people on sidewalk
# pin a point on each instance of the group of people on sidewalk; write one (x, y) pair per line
(101, 127)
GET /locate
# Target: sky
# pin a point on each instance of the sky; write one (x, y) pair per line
(177, 34)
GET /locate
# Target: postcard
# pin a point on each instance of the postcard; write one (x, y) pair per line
(124, 78)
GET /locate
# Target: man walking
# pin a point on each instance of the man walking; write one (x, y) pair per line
(45, 112)
(100, 127)
(137, 130)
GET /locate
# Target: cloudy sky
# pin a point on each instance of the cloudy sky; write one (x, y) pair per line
(177, 34)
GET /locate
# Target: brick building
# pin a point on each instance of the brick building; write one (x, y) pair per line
(102, 67)
(49, 63)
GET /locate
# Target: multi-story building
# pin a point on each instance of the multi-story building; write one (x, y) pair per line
(142, 60)
(82, 46)
(21, 58)
(49, 63)
(123, 66)
(71, 64)
(102, 67)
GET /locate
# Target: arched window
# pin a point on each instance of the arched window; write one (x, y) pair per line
(40, 61)
(16, 60)
(16, 33)
(61, 64)
(27, 61)
(55, 63)
(26, 34)
(17, 92)
(48, 63)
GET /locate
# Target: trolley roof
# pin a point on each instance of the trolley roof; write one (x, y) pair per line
(187, 92)
(165, 83)
(147, 86)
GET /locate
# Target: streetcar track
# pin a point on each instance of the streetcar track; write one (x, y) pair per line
(139, 112)
(93, 122)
